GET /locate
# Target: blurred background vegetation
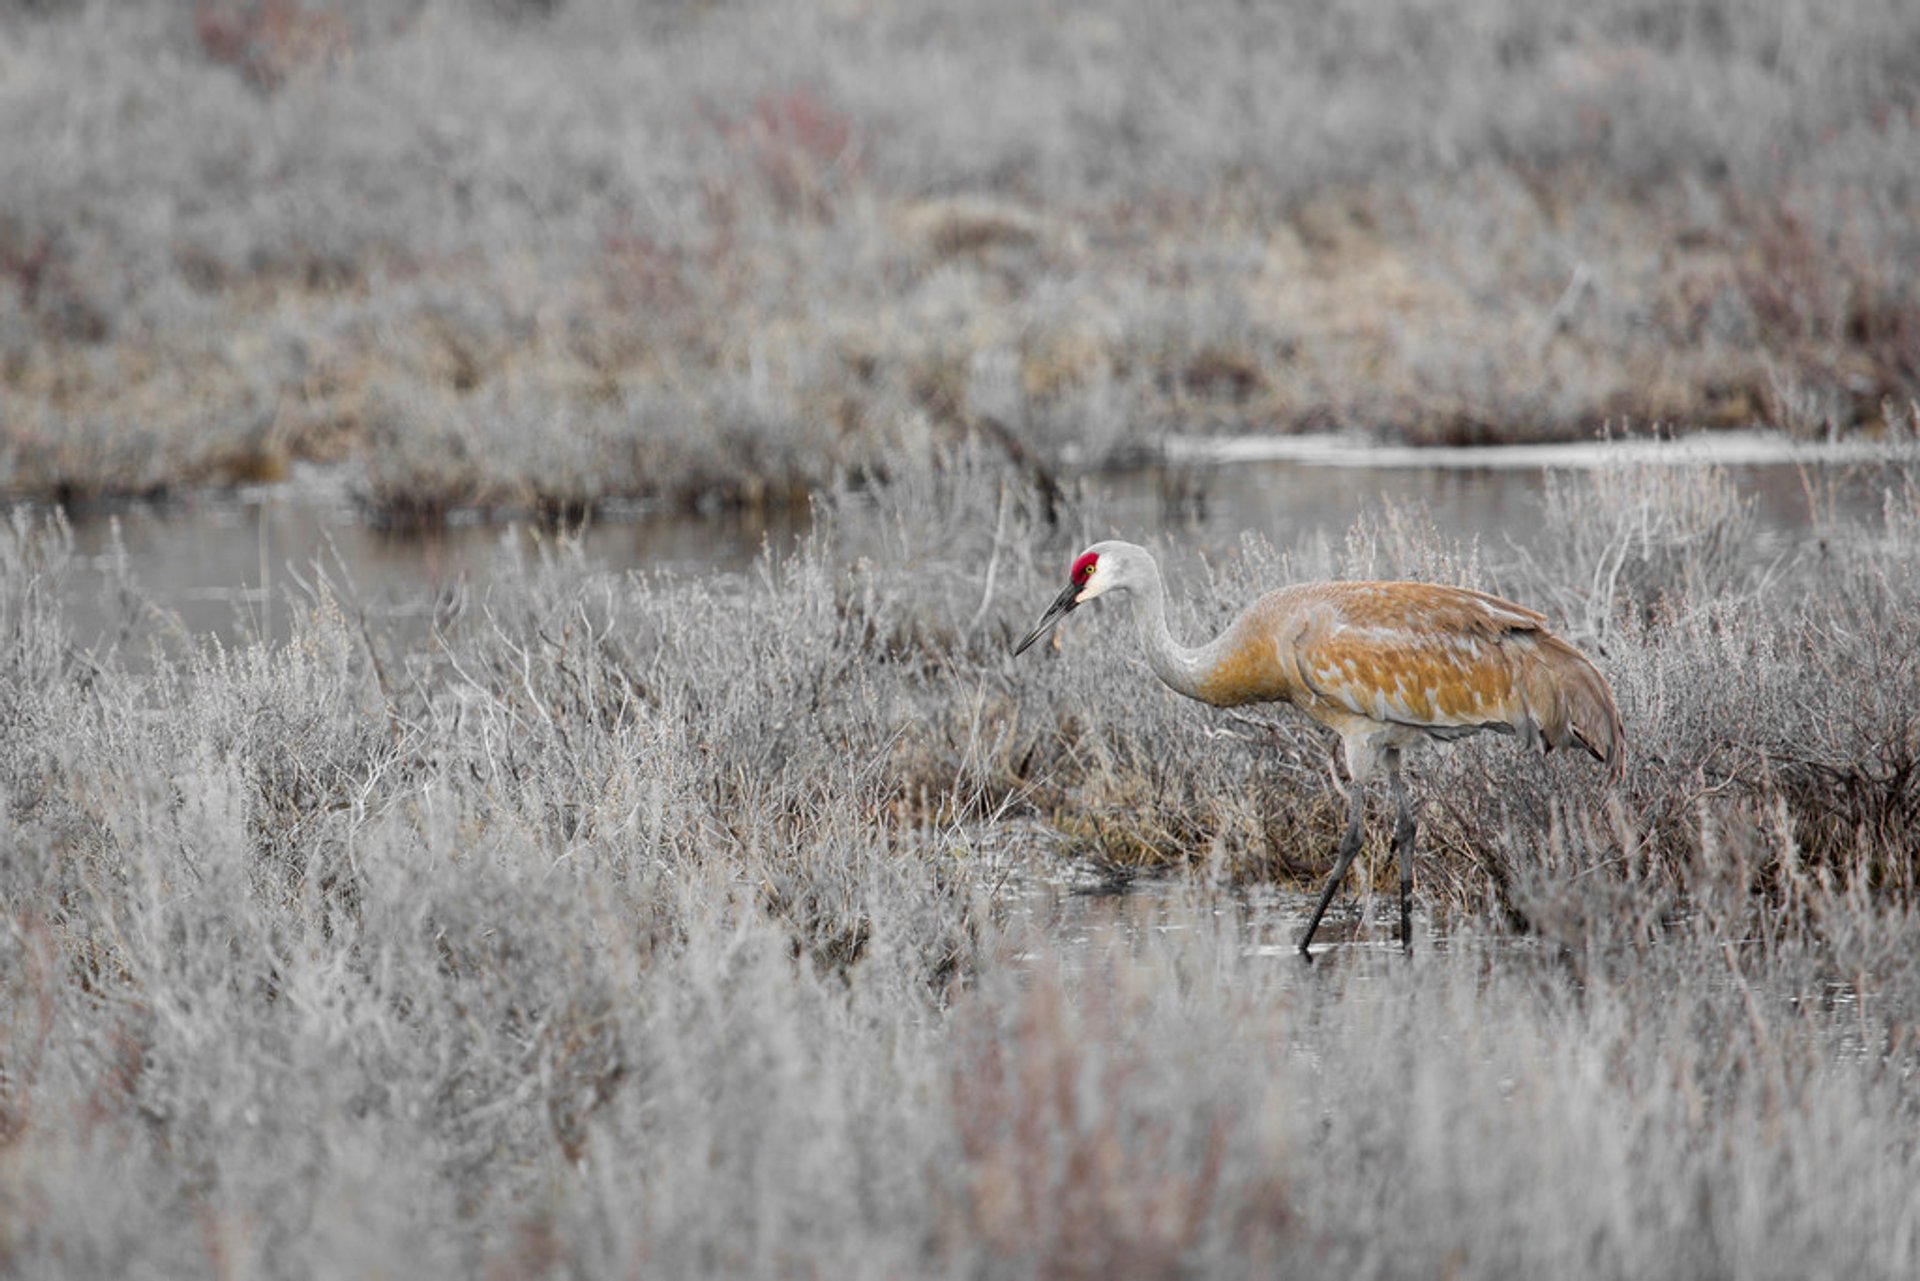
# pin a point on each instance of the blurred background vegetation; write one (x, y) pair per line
(534, 254)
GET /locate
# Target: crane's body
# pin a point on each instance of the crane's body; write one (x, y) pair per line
(1384, 665)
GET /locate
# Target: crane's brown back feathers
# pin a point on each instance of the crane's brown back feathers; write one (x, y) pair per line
(1443, 660)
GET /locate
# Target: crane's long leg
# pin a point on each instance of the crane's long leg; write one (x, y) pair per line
(1343, 859)
(1403, 827)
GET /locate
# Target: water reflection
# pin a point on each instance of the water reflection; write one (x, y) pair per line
(1082, 917)
(1288, 501)
(221, 566)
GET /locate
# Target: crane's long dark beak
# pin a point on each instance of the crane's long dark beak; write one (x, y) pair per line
(1062, 606)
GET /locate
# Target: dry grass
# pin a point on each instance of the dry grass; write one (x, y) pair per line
(531, 256)
(630, 924)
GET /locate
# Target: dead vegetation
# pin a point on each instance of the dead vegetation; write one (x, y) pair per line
(539, 256)
(628, 922)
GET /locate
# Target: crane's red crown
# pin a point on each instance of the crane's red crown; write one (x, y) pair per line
(1083, 567)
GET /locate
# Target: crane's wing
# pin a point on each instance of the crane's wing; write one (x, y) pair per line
(1450, 661)
(1416, 654)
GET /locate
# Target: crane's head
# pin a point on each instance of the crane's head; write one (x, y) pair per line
(1095, 570)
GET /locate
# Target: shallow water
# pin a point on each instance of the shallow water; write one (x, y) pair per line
(222, 566)
(1083, 915)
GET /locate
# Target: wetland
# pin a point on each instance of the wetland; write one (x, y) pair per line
(517, 512)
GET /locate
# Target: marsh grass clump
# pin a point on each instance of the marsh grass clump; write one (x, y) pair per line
(623, 920)
(1769, 737)
(424, 879)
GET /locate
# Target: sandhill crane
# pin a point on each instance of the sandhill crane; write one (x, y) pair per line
(1384, 665)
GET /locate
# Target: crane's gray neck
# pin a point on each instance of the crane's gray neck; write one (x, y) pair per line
(1175, 664)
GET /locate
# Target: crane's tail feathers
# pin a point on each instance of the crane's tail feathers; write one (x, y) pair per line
(1574, 705)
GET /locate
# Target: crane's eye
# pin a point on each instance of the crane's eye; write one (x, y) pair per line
(1083, 568)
